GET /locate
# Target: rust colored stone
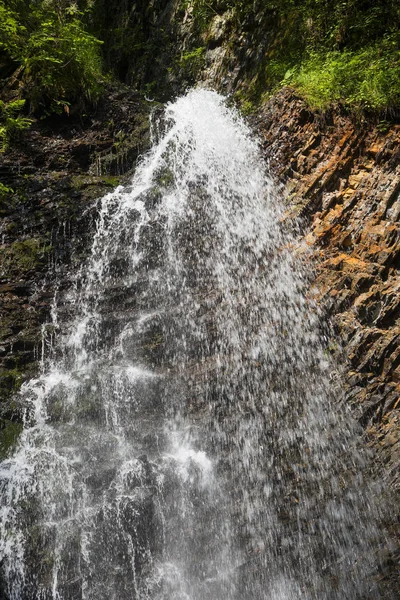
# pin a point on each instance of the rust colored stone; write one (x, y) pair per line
(348, 193)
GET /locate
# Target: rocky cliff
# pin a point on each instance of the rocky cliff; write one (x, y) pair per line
(342, 178)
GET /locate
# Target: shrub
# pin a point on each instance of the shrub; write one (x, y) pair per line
(12, 123)
(58, 60)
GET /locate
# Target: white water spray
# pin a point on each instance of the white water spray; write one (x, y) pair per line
(185, 443)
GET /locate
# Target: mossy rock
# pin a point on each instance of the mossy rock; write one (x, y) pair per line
(9, 434)
(82, 182)
(12, 376)
(23, 256)
(11, 379)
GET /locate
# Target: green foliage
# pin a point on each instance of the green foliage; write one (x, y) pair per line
(10, 30)
(12, 123)
(341, 51)
(368, 78)
(56, 60)
(5, 191)
(193, 55)
(192, 61)
(62, 61)
(345, 51)
(332, 51)
(23, 256)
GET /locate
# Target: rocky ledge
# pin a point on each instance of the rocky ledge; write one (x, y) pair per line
(342, 178)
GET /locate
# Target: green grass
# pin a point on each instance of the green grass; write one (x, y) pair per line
(366, 79)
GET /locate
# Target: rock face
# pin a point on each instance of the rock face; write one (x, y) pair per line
(54, 178)
(343, 179)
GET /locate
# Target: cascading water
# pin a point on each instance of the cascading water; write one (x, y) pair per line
(182, 442)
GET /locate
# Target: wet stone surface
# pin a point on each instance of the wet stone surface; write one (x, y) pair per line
(54, 177)
(343, 178)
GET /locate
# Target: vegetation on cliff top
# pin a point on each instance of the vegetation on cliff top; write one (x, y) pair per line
(53, 52)
(345, 51)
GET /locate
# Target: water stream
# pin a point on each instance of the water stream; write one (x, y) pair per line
(184, 440)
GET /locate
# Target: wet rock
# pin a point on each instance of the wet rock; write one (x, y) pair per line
(55, 178)
(343, 178)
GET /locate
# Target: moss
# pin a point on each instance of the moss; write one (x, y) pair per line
(193, 57)
(120, 158)
(82, 182)
(9, 434)
(11, 379)
(11, 228)
(23, 256)
(110, 181)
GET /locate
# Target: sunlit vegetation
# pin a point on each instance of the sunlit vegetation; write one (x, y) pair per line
(331, 51)
(48, 58)
(368, 78)
(54, 53)
(12, 123)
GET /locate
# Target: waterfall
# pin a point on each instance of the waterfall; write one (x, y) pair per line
(184, 440)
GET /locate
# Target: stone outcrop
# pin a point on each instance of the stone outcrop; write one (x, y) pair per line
(342, 178)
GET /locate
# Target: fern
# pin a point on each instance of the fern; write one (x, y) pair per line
(12, 123)
(59, 60)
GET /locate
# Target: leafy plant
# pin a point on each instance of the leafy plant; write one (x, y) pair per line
(57, 60)
(12, 123)
(4, 191)
(193, 60)
(62, 61)
(11, 30)
(345, 51)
